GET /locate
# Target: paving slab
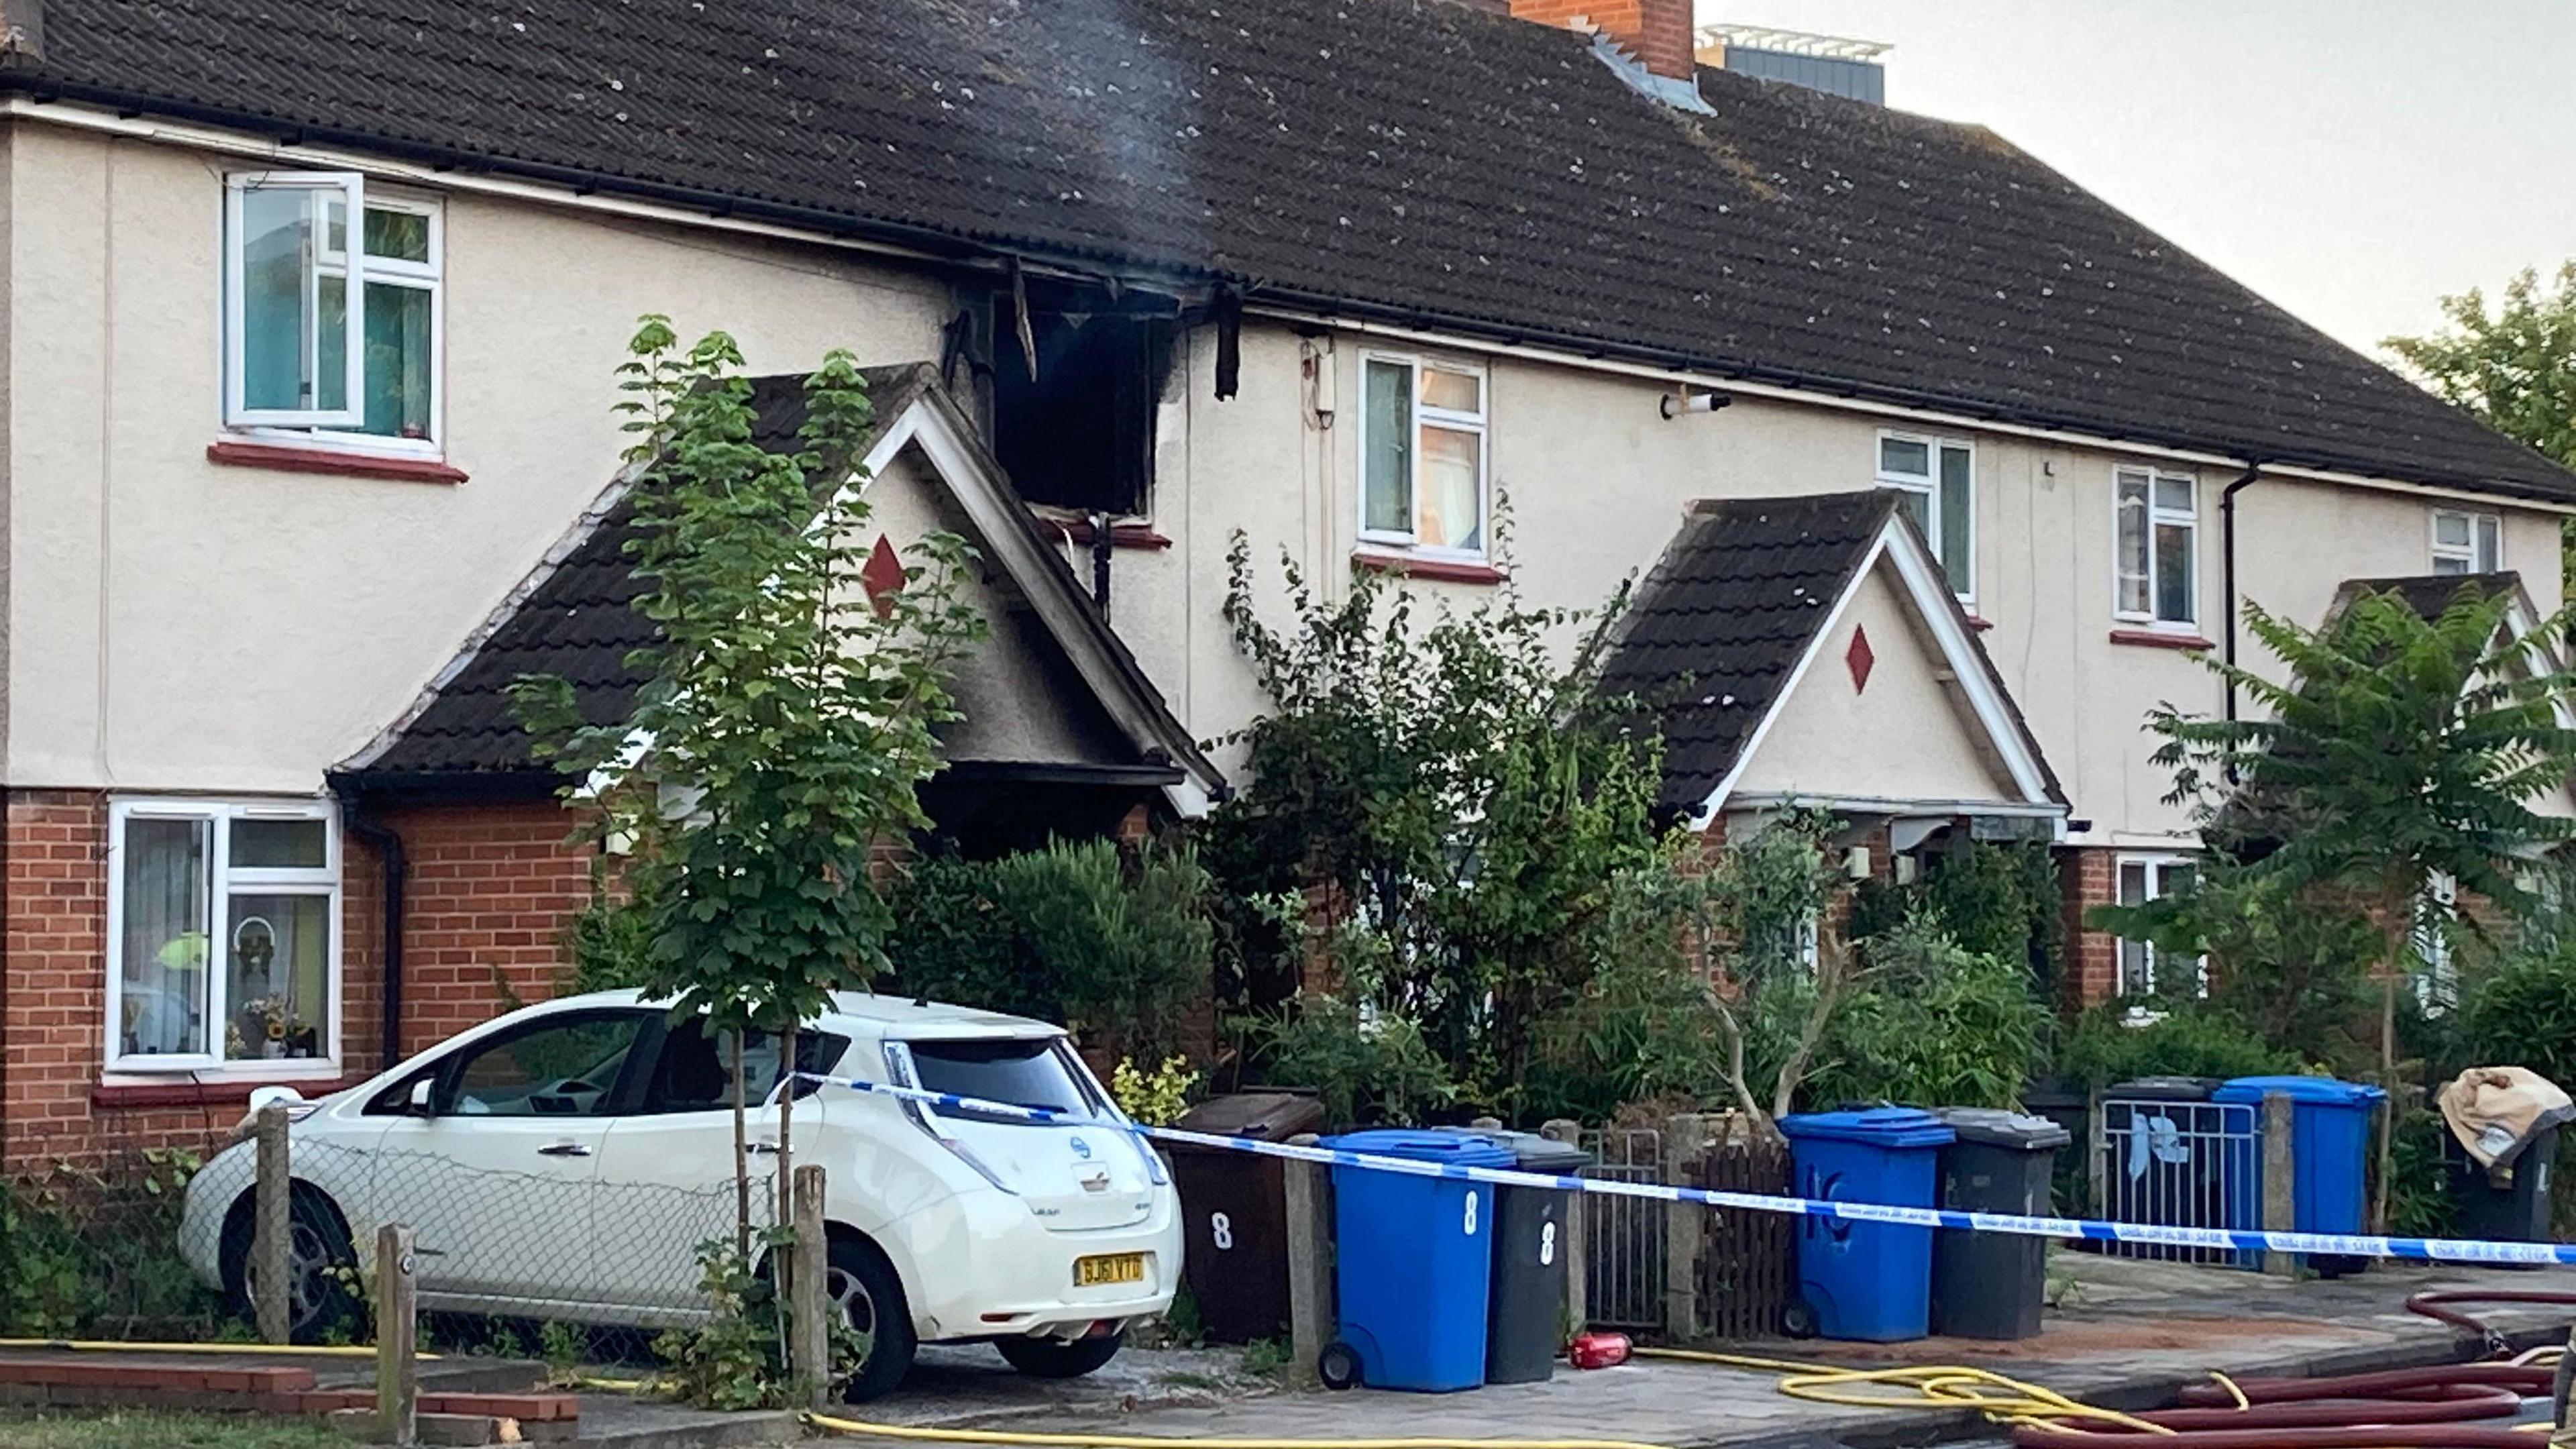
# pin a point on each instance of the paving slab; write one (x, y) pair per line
(2126, 1334)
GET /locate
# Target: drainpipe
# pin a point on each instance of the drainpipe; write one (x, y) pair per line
(389, 849)
(2227, 551)
(1101, 544)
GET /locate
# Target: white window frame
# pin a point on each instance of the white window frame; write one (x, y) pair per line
(2157, 515)
(2480, 524)
(1409, 538)
(2437, 974)
(223, 879)
(337, 428)
(1929, 486)
(2156, 866)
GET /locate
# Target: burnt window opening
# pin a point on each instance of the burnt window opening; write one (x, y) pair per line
(1080, 434)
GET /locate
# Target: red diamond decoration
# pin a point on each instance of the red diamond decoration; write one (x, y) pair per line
(881, 576)
(1859, 658)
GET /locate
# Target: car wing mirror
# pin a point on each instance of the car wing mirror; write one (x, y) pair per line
(424, 1103)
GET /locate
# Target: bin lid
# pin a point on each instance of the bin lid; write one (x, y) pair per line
(1876, 1126)
(2164, 1089)
(1532, 1152)
(1270, 1116)
(2324, 1090)
(1459, 1149)
(1996, 1127)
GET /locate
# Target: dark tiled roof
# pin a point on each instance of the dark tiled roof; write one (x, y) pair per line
(1723, 619)
(2428, 594)
(1411, 159)
(575, 618)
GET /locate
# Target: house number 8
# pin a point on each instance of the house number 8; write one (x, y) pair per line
(1223, 1227)
(1547, 1245)
(1471, 1214)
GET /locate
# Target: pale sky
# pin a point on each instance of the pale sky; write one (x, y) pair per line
(2351, 160)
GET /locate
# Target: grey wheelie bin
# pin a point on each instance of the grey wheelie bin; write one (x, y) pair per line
(1991, 1285)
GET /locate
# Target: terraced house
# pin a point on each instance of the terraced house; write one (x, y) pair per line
(1936, 466)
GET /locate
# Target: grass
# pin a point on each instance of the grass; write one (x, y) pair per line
(154, 1429)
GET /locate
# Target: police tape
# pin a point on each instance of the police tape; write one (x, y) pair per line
(2237, 1240)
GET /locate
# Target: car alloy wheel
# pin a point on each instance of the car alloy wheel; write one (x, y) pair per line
(308, 1262)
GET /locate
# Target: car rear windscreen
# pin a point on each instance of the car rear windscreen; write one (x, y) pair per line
(1022, 1072)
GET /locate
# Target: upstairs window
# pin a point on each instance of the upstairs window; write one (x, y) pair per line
(2156, 548)
(1422, 455)
(1075, 412)
(297, 356)
(2467, 543)
(1938, 478)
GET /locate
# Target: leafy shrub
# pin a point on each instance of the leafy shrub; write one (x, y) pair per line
(1367, 1068)
(1156, 1098)
(1078, 932)
(735, 1359)
(2190, 1039)
(1992, 899)
(93, 1251)
(1934, 1024)
(2520, 1011)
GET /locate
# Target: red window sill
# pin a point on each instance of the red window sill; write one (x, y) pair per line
(1979, 623)
(287, 459)
(1121, 535)
(131, 1095)
(2158, 639)
(1443, 570)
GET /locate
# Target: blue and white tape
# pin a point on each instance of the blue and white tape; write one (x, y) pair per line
(2434, 1250)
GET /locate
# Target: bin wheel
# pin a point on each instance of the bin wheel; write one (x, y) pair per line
(1338, 1366)
(1798, 1320)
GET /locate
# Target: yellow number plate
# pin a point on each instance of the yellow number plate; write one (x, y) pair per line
(1109, 1268)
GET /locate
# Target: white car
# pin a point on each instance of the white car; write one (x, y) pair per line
(562, 1162)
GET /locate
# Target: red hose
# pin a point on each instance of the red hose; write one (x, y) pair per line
(2401, 1409)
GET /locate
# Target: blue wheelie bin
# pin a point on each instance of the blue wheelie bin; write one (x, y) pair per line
(1413, 1264)
(2330, 1140)
(1870, 1282)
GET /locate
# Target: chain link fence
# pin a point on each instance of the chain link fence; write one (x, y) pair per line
(552, 1260)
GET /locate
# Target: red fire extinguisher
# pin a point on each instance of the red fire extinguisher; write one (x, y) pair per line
(1597, 1350)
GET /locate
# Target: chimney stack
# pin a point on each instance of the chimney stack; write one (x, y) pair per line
(1657, 32)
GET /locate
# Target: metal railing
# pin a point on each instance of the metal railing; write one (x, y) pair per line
(2182, 1164)
(1625, 1237)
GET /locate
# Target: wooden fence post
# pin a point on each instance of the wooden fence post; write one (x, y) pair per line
(812, 1338)
(2280, 1179)
(397, 1322)
(1578, 1241)
(272, 1229)
(1310, 1261)
(1685, 1226)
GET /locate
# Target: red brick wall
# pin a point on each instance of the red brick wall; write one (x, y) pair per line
(2091, 973)
(1656, 32)
(489, 890)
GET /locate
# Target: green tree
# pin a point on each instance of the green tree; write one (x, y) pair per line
(2514, 367)
(788, 716)
(2395, 749)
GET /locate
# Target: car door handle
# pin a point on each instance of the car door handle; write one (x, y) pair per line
(564, 1149)
(764, 1149)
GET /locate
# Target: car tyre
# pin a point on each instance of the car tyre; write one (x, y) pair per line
(320, 1262)
(1050, 1358)
(863, 1285)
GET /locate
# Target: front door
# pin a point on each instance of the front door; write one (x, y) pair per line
(497, 1184)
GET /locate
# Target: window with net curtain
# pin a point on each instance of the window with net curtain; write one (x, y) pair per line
(2156, 520)
(2467, 543)
(1422, 449)
(226, 941)
(296, 357)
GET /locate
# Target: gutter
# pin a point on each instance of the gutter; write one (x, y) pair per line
(389, 849)
(928, 244)
(2227, 564)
